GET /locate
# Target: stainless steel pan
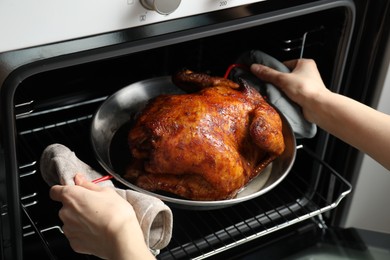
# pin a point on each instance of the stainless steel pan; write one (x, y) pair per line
(109, 141)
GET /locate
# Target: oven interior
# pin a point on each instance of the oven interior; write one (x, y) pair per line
(56, 105)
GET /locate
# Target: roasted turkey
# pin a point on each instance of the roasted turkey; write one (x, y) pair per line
(206, 144)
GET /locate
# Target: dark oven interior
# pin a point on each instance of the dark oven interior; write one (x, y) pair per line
(56, 105)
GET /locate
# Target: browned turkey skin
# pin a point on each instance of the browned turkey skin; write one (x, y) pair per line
(205, 145)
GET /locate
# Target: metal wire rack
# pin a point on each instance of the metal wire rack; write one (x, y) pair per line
(196, 234)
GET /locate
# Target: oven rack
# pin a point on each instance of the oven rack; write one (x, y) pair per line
(303, 194)
(292, 201)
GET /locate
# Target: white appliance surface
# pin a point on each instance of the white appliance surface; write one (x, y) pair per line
(25, 23)
(369, 208)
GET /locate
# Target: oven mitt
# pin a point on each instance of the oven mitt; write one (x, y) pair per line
(59, 165)
(301, 127)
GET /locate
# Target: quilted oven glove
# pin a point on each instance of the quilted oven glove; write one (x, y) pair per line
(59, 165)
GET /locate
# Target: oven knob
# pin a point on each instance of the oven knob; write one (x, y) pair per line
(161, 6)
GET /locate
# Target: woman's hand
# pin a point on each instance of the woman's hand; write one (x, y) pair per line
(303, 85)
(100, 222)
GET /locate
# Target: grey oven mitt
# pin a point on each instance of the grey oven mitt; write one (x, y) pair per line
(59, 165)
(301, 127)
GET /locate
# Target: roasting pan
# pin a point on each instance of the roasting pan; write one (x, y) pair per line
(113, 119)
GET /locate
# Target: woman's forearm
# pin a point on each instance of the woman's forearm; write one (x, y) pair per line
(128, 242)
(356, 124)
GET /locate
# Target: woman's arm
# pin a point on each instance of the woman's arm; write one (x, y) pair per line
(100, 222)
(355, 123)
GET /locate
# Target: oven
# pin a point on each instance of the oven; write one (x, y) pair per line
(60, 61)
